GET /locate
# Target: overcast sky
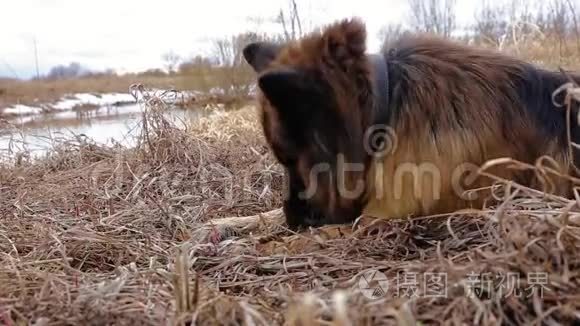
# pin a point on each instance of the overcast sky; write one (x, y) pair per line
(132, 35)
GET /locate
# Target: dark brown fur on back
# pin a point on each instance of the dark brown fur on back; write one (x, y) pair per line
(450, 105)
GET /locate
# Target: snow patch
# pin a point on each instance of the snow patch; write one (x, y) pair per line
(100, 101)
(168, 96)
(81, 99)
(20, 109)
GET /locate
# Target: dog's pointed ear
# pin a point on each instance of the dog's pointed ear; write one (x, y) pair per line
(260, 54)
(345, 43)
(282, 87)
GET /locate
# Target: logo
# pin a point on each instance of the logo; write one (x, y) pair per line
(380, 141)
(373, 284)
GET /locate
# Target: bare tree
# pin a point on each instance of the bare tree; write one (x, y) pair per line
(171, 61)
(194, 64)
(73, 70)
(527, 25)
(516, 22)
(291, 21)
(228, 53)
(390, 33)
(433, 16)
(558, 23)
(572, 8)
(490, 24)
(562, 21)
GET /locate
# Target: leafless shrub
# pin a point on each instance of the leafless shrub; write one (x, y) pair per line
(234, 73)
(490, 24)
(291, 21)
(540, 31)
(171, 60)
(433, 16)
(390, 33)
(72, 70)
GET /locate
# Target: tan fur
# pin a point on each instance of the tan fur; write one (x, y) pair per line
(477, 142)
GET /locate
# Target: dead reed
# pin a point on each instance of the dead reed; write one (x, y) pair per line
(96, 235)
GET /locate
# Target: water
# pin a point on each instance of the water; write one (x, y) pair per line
(105, 125)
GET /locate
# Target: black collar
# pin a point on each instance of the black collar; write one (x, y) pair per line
(380, 84)
(379, 132)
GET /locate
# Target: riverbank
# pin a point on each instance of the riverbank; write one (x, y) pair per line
(104, 118)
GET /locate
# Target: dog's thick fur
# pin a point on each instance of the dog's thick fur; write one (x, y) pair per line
(450, 105)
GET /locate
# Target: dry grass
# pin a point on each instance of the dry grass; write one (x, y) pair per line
(35, 92)
(46, 91)
(92, 236)
(541, 50)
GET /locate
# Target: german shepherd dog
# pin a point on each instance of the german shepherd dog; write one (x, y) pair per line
(396, 134)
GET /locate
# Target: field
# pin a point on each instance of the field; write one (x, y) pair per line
(201, 79)
(107, 234)
(94, 235)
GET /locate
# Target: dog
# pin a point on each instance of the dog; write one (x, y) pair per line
(403, 132)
